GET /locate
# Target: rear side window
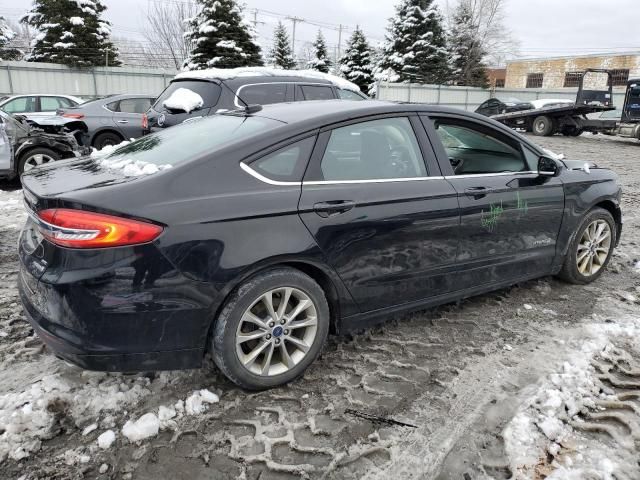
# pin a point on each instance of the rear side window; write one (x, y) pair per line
(48, 104)
(134, 105)
(373, 150)
(209, 91)
(315, 92)
(264, 93)
(288, 163)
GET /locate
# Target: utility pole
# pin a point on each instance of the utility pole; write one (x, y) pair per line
(294, 21)
(255, 19)
(106, 57)
(340, 28)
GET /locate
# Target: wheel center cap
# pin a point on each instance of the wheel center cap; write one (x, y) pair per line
(277, 331)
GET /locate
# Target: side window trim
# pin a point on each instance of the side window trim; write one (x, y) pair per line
(245, 164)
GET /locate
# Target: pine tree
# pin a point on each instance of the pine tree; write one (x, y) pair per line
(281, 55)
(71, 32)
(6, 35)
(321, 61)
(356, 63)
(221, 38)
(416, 48)
(467, 51)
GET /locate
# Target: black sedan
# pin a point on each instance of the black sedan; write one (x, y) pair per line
(253, 234)
(496, 106)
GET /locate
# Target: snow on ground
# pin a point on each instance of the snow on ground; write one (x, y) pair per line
(183, 99)
(228, 73)
(554, 420)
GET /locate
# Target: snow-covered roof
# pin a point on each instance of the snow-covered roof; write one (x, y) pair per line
(229, 73)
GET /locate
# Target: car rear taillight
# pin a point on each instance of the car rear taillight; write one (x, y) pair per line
(145, 121)
(73, 115)
(81, 229)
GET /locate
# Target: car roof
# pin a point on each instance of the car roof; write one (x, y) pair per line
(124, 96)
(323, 111)
(257, 79)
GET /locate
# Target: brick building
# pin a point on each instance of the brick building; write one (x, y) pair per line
(559, 72)
(497, 76)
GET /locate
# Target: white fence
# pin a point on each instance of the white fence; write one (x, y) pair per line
(469, 98)
(28, 77)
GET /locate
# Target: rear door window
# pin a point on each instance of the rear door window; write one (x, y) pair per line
(317, 92)
(209, 91)
(50, 104)
(263, 93)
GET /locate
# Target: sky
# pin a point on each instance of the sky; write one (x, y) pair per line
(542, 27)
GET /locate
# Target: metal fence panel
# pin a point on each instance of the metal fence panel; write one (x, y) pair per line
(28, 77)
(470, 98)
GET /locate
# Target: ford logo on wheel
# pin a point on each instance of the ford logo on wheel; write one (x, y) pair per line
(161, 120)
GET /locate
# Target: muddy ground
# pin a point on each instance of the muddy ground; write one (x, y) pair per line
(444, 385)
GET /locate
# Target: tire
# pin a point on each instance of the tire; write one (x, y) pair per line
(543, 126)
(35, 158)
(106, 138)
(571, 271)
(234, 360)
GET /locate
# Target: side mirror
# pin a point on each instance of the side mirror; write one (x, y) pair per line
(548, 167)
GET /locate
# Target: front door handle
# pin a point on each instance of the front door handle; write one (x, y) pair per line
(477, 192)
(123, 121)
(333, 207)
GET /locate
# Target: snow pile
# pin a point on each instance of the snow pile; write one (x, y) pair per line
(184, 99)
(53, 403)
(12, 214)
(126, 166)
(195, 404)
(146, 426)
(106, 439)
(228, 73)
(76, 21)
(548, 423)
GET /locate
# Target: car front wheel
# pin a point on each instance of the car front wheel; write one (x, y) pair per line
(271, 329)
(591, 248)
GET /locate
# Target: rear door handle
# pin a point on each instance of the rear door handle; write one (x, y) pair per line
(477, 192)
(123, 121)
(333, 207)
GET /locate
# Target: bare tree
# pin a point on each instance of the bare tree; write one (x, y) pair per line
(495, 38)
(164, 31)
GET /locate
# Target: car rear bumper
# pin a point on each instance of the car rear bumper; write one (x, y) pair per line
(87, 342)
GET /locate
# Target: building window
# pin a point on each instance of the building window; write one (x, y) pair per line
(534, 80)
(620, 77)
(499, 82)
(572, 79)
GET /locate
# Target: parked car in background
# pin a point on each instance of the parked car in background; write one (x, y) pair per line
(34, 106)
(206, 92)
(33, 145)
(111, 120)
(495, 106)
(252, 234)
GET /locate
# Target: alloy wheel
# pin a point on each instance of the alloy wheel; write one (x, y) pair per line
(37, 160)
(593, 248)
(277, 331)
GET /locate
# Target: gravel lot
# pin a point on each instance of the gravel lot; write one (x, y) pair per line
(539, 380)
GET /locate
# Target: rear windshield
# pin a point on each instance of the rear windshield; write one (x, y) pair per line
(209, 91)
(183, 142)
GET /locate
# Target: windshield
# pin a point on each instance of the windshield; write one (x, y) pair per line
(183, 142)
(208, 91)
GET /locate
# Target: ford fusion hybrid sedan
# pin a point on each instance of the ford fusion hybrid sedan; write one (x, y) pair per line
(251, 235)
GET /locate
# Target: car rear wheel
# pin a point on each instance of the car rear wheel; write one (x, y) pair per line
(105, 139)
(591, 248)
(35, 158)
(271, 329)
(543, 126)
